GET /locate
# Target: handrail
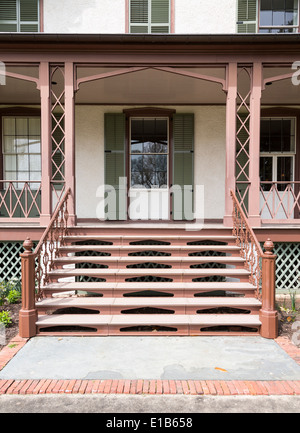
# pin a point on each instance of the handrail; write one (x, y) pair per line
(251, 250)
(47, 248)
(53, 219)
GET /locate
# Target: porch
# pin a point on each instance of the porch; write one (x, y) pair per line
(226, 104)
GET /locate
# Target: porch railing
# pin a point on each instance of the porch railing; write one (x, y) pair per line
(37, 264)
(261, 266)
(280, 201)
(20, 199)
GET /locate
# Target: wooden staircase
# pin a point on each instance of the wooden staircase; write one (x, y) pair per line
(127, 281)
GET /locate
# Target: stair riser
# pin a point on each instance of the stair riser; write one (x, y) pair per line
(180, 331)
(174, 251)
(108, 310)
(175, 264)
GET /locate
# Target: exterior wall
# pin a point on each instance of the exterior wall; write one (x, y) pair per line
(201, 17)
(84, 16)
(209, 156)
(109, 16)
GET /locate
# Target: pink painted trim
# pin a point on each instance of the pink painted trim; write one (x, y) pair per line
(21, 77)
(172, 16)
(108, 75)
(41, 16)
(126, 16)
(192, 75)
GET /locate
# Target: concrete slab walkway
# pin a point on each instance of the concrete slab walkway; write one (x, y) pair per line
(150, 365)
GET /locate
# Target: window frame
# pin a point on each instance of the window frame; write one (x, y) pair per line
(18, 21)
(171, 18)
(259, 27)
(277, 154)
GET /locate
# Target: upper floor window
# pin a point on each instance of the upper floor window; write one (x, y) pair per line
(19, 16)
(268, 16)
(149, 16)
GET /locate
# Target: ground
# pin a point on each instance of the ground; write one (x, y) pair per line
(286, 317)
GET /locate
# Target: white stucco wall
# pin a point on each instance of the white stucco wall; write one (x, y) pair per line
(209, 156)
(202, 16)
(84, 16)
(109, 16)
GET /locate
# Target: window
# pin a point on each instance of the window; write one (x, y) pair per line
(149, 16)
(278, 16)
(267, 16)
(149, 152)
(277, 151)
(22, 150)
(19, 16)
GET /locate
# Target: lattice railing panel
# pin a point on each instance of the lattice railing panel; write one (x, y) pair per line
(10, 262)
(287, 265)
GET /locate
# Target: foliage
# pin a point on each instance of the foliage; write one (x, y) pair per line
(13, 297)
(10, 291)
(5, 318)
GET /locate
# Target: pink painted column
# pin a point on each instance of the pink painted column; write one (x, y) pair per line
(45, 143)
(230, 140)
(254, 150)
(70, 138)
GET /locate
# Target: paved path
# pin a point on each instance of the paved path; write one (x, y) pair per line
(283, 388)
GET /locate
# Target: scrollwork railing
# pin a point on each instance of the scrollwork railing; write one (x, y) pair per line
(251, 250)
(47, 248)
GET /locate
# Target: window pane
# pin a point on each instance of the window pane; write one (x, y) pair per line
(23, 162)
(34, 145)
(266, 171)
(22, 144)
(35, 162)
(10, 162)
(9, 145)
(21, 126)
(265, 5)
(9, 126)
(277, 135)
(34, 126)
(284, 168)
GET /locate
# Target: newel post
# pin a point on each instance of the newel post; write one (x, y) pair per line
(268, 314)
(28, 313)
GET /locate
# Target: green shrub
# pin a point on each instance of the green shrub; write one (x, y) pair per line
(13, 296)
(5, 318)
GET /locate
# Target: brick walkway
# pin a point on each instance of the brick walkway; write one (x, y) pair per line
(151, 387)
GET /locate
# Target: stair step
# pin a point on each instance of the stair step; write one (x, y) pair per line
(148, 319)
(134, 248)
(134, 238)
(61, 273)
(134, 286)
(86, 302)
(152, 259)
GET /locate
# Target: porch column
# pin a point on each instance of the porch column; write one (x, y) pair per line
(45, 143)
(254, 147)
(70, 138)
(230, 140)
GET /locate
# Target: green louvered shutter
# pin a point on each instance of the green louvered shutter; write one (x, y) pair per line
(160, 16)
(29, 16)
(149, 16)
(247, 16)
(8, 16)
(183, 167)
(114, 130)
(19, 15)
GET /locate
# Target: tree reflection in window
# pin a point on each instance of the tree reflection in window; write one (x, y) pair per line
(149, 152)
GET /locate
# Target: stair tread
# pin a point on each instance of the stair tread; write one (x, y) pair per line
(207, 259)
(143, 271)
(151, 247)
(92, 301)
(148, 319)
(149, 237)
(68, 286)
